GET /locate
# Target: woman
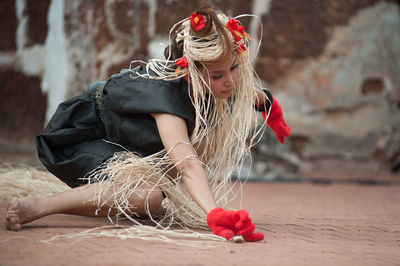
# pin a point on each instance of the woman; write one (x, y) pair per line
(137, 136)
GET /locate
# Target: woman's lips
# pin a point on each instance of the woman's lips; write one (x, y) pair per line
(227, 91)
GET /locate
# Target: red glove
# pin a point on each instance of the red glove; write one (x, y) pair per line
(276, 122)
(232, 223)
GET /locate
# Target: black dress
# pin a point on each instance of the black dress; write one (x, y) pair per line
(84, 131)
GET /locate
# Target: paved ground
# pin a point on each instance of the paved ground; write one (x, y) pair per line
(304, 224)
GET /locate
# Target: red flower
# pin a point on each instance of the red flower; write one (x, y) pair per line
(240, 48)
(236, 30)
(182, 62)
(197, 21)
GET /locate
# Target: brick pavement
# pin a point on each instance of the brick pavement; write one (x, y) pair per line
(304, 224)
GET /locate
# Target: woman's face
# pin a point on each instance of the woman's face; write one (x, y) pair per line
(221, 78)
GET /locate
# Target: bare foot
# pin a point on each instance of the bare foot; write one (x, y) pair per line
(19, 213)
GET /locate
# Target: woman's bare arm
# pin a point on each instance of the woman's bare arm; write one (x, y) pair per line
(173, 133)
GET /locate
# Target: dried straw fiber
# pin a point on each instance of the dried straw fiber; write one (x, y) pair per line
(18, 182)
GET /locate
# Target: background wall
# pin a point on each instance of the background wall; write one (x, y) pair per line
(333, 65)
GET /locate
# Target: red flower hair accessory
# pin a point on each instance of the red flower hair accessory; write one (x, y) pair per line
(237, 33)
(181, 63)
(197, 21)
(240, 48)
(236, 30)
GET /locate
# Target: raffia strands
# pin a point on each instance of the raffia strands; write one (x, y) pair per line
(125, 173)
(177, 237)
(19, 182)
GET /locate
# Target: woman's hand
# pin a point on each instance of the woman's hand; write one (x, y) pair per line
(276, 121)
(232, 223)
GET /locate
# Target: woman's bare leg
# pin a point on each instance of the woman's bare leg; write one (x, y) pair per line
(77, 201)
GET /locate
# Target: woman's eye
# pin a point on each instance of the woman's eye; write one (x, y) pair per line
(220, 76)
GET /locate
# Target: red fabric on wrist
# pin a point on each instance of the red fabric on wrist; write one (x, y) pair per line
(232, 223)
(276, 121)
(222, 222)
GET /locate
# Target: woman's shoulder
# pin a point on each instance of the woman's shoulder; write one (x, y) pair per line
(138, 77)
(130, 92)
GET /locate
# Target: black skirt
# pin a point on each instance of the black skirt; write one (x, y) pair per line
(85, 132)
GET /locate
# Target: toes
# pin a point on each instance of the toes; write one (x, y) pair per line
(14, 219)
(11, 214)
(14, 227)
(12, 209)
(13, 206)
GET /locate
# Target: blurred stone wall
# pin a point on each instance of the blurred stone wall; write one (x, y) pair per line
(333, 65)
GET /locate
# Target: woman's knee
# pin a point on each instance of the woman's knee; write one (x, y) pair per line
(154, 200)
(147, 200)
